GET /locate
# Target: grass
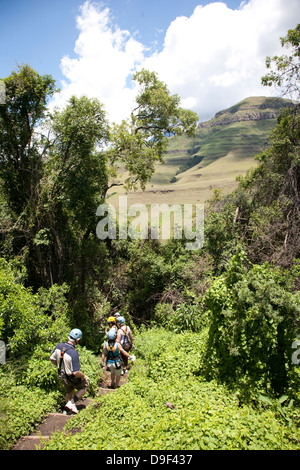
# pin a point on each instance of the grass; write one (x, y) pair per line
(223, 150)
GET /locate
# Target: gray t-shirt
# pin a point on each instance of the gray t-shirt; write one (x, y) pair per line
(70, 363)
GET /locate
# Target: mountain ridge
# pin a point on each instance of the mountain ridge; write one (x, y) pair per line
(248, 110)
(243, 128)
(222, 149)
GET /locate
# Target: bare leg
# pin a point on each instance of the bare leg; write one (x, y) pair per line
(69, 396)
(113, 379)
(118, 380)
(77, 395)
(80, 393)
(125, 362)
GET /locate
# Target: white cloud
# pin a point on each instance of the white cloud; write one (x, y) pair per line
(106, 57)
(212, 59)
(217, 56)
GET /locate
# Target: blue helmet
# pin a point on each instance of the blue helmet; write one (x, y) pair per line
(75, 334)
(116, 315)
(121, 320)
(112, 334)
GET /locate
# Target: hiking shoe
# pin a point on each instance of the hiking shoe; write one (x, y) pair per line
(71, 406)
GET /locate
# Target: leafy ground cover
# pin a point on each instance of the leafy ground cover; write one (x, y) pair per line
(204, 415)
(21, 409)
(30, 390)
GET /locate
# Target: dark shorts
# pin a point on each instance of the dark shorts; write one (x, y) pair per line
(71, 384)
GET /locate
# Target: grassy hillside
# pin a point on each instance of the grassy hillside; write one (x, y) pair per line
(222, 149)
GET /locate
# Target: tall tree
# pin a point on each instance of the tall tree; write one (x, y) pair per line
(264, 210)
(138, 143)
(53, 182)
(284, 70)
(74, 179)
(22, 155)
(25, 107)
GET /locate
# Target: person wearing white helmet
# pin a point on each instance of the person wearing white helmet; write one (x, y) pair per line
(66, 358)
(111, 352)
(125, 338)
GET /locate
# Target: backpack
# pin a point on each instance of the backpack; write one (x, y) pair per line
(63, 350)
(126, 343)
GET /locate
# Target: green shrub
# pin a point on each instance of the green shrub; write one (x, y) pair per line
(182, 318)
(254, 320)
(29, 319)
(21, 409)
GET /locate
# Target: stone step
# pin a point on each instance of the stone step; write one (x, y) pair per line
(56, 422)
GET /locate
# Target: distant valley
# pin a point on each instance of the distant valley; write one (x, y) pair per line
(222, 149)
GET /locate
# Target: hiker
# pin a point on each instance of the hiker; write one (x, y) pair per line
(111, 351)
(111, 323)
(66, 358)
(125, 339)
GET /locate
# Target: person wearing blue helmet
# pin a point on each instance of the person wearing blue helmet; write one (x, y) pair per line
(111, 352)
(66, 358)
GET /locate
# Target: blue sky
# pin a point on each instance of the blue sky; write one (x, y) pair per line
(41, 32)
(210, 53)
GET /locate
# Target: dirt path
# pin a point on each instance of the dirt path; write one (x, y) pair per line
(56, 421)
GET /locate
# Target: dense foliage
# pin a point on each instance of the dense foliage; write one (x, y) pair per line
(214, 328)
(21, 410)
(254, 319)
(31, 326)
(204, 415)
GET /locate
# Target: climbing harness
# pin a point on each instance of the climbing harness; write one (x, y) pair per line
(111, 356)
(62, 373)
(63, 350)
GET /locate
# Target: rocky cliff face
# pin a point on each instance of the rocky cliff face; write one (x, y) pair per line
(250, 109)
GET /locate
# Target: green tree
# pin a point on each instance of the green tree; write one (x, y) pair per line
(29, 319)
(68, 167)
(22, 151)
(263, 213)
(273, 222)
(74, 178)
(27, 94)
(138, 143)
(53, 183)
(285, 70)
